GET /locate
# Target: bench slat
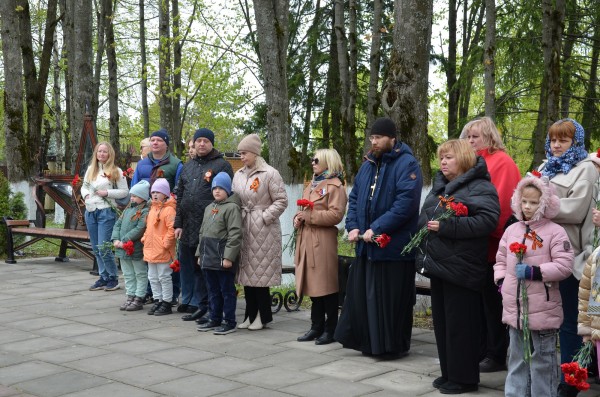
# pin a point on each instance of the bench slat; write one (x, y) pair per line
(52, 232)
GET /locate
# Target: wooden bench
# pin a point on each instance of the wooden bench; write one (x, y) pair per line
(70, 239)
(292, 302)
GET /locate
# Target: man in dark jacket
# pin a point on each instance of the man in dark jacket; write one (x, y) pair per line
(193, 196)
(385, 198)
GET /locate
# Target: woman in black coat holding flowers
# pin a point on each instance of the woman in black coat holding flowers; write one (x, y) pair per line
(453, 254)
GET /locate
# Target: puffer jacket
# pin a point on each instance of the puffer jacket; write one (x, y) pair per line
(394, 207)
(554, 258)
(457, 253)
(194, 193)
(159, 238)
(131, 227)
(221, 234)
(264, 199)
(587, 324)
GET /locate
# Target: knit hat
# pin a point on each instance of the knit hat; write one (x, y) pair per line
(384, 126)
(141, 189)
(250, 143)
(162, 186)
(205, 133)
(222, 180)
(162, 134)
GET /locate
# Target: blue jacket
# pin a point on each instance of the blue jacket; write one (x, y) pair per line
(147, 165)
(394, 207)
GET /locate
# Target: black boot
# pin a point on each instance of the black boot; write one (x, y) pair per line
(163, 309)
(154, 307)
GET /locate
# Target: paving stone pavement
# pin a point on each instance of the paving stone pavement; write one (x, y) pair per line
(59, 339)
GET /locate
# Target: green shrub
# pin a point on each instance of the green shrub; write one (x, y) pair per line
(13, 207)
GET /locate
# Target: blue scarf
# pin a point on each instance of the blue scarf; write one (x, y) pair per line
(568, 159)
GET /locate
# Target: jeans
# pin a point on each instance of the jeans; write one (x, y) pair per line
(570, 342)
(159, 275)
(194, 290)
(135, 273)
(100, 225)
(222, 297)
(540, 378)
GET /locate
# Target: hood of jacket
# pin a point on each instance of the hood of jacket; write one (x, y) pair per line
(171, 202)
(549, 201)
(398, 150)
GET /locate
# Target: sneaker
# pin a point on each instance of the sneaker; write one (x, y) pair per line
(127, 302)
(154, 307)
(163, 309)
(488, 365)
(224, 329)
(209, 326)
(136, 304)
(112, 285)
(98, 285)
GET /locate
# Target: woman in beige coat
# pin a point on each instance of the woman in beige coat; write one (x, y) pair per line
(264, 199)
(316, 245)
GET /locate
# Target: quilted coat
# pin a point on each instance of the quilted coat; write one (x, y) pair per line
(457, 253)
(588, 325)
(554, 258)
(159, 238)
(316, 245)
(264, 199)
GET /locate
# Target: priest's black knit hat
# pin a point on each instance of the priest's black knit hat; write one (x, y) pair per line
(384, 126)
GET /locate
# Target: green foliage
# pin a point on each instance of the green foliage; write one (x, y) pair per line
(13, 207)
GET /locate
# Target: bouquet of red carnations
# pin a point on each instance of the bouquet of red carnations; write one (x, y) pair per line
(576, 371)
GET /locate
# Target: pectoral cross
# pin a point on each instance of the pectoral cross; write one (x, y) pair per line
(374, 185)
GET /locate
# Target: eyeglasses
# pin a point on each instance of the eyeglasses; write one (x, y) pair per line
(374, 138)
(315, 161)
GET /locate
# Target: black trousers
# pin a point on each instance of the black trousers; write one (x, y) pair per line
(457, 326)
(495, 339)
(324, 313)
(258, 300)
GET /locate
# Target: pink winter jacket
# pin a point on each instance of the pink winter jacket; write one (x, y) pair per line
(554, 258)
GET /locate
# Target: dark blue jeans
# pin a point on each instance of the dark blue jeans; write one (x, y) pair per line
(570, 342)
(221, 292)
(194, 291)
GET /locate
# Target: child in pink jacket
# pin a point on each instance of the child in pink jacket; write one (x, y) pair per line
(547, 260)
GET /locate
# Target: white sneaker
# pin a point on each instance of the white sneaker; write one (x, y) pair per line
(245, 324)
(256, 325)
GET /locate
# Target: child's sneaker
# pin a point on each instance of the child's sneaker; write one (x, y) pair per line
(163, 309)
(224, 329)
(127, 302)
(154, 307)
(98, 285)
(209, 326)
(136, 304)
(112, 285)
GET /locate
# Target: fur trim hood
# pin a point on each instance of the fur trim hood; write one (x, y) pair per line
(549, 201)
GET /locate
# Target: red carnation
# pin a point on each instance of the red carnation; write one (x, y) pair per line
(75, 181)
(304, 203)
(175, 265)
(382, 240)
(128, 247)
(459, 209)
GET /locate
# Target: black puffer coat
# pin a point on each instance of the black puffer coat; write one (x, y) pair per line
(458, 251)
(194, 193)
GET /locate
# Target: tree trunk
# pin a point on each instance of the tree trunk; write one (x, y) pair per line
(56, 99)
(373, 99)
(331, 123)
(144, 85)
(272, 33)
(567, 63)
(176, 124)
(553, 14)
(113, 89)
(312, 76)
(164, 65)
(450, 67)
(489, 65)
(590, 112)
(14, 131)
(404, 96)
(99, 57)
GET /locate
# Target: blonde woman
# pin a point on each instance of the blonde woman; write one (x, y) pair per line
(103, 183)
(316, 257)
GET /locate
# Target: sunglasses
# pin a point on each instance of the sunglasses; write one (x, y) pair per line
(315, 161)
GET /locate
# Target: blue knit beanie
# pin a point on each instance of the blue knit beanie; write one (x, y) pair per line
(205, 133)
(222, 180)
(162, 134)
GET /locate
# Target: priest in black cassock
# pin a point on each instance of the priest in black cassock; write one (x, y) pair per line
(377, 315)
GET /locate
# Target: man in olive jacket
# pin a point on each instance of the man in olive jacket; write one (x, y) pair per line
(193, 196)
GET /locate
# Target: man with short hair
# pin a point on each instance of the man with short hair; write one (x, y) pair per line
(193, 196)
(385, 199)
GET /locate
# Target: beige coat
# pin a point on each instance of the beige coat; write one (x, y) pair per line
(316, 257)
(264, 199)
(588, 325)
(577, 191)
